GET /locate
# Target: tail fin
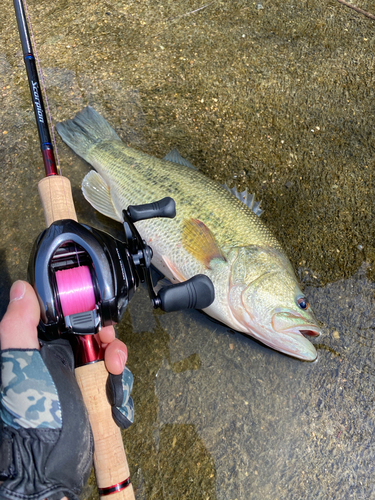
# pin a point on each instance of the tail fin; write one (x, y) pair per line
(85, 130)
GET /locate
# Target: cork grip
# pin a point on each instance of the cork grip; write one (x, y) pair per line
(56, 195)
(111, 467)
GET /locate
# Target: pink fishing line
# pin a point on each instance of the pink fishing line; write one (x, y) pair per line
(76, 290)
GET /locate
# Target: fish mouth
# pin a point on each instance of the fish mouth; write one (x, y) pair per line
(293, 332)
(292, 322)
(303, 329)
(311, 333)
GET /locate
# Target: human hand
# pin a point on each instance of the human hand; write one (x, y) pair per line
(18, 328)
(46, 444)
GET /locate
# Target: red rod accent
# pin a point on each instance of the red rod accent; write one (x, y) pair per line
(115, 488)
(49, 161)
(88, 350)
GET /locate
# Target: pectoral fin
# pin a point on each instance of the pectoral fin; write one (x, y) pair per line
(97, 193)
(198, 240)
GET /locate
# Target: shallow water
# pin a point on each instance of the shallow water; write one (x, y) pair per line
(274, 96)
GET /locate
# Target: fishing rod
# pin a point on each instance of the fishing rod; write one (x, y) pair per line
(32, 74)
(111, 467)
(85, 278)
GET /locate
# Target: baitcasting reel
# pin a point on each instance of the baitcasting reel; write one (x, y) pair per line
(85, 278)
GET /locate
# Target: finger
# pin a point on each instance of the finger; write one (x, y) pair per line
(115, 357)
(18, 328)
(107, 334)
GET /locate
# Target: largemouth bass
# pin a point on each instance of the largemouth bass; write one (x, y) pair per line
(213, 233)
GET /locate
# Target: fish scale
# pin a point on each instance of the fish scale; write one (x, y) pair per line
(213, 233)
(149, 178)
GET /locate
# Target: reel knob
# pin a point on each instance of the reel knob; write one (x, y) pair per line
(165, 207)
(196, 293)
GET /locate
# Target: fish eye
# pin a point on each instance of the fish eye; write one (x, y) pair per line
(303, 303)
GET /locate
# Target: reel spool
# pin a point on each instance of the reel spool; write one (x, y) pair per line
(75, 290)
(85, 278)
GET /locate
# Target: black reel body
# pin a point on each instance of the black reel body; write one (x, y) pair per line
(66, 244)
(116, 268)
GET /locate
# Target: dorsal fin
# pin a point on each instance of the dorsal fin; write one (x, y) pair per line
(247, 199)
(175, 157)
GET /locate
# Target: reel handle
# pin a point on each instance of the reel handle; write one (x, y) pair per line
(111, 467)
(166, 207)
(195, 293)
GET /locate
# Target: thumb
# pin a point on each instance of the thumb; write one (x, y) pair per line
(18, 328)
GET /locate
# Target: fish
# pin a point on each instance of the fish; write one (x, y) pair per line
(214, 233)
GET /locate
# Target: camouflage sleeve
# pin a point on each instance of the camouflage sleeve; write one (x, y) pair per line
(28, 396)
(119, 388)
(46, 444)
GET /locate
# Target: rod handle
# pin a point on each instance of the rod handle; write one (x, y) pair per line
(56, 194)
(111, 466)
